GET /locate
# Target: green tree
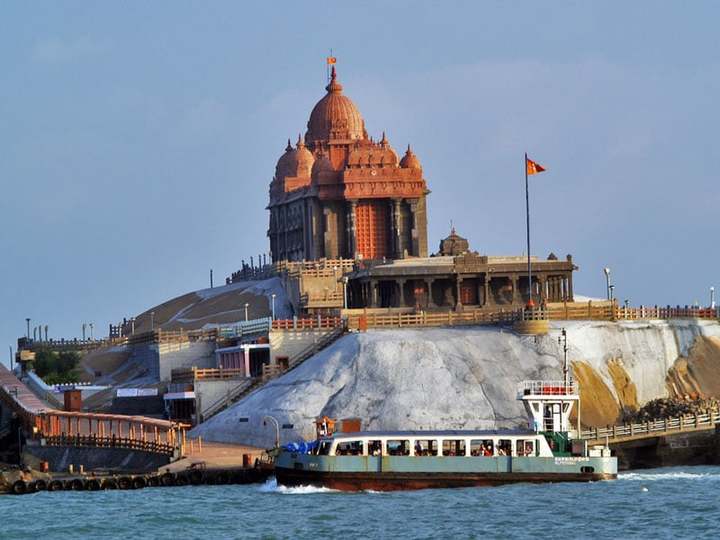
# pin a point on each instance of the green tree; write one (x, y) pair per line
(57, 368)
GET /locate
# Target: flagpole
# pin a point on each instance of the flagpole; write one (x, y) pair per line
(527, 223)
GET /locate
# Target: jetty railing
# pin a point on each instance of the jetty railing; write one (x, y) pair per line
(652, 428)
(314, 323)
(64, 428)
(429, 318)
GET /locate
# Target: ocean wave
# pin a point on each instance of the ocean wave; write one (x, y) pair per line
(678, 475)
(271, 486)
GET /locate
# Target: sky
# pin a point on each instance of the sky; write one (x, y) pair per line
(138, 139)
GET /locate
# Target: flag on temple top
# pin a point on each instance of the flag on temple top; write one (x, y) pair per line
(331, 60)
(532, 167)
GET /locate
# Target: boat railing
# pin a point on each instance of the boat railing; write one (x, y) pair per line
(547, 388)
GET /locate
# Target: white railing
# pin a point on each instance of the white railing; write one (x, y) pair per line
(547, 388)
(652, 428)
(245, 328)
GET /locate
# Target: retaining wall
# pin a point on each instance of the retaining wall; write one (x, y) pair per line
(60, 458)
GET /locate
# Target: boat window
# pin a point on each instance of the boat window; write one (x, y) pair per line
(481, 447)
(525, 447)
(427, 447)
(324, 449)
(374, 448)
(349, 448)
(453, 447)
(504, 447)
(398, 448)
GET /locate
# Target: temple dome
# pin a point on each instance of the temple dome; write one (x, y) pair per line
(285, 162)
(335, 116)
(295, 162)
(304, 160)
(410, 160)
(454, 244)
(322, 164)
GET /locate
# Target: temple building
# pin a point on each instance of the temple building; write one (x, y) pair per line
(339, 194)
(457, 278)
(348, 221)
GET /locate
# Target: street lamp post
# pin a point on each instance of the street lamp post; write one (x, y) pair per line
(612, 292)
(27, 320)
(247, 305)
(345, 280)
(152, 321)
(92, 335)
(277, 428)
(273, 305)
(607, 281)
(83, 329)
(712, 297)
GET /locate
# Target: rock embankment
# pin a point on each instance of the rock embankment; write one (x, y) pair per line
(467, 378)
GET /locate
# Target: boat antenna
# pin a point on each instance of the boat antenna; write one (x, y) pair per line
(562, 340)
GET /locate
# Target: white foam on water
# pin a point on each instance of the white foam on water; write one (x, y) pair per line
(271, 486)
(650, 477)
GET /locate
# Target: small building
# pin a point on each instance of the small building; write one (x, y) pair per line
(457, 278)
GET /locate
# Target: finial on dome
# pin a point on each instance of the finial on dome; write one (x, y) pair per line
(334, 87)
(289, 146)
(384, 139)
(410, 160)
(300, 142)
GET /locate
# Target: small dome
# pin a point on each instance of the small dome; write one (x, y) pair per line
(410, 160)
(322, 165)
(304, 160)
(335, 116)
(295, 162)
(284, 163)
(454, 244)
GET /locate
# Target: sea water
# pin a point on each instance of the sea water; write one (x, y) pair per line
(657, 503)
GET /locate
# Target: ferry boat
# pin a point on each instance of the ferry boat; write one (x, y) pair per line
(548, 451)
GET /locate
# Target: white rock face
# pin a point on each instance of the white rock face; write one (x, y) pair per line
(446, 378)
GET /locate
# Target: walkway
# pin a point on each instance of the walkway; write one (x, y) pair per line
(652, 429)
(63, 428)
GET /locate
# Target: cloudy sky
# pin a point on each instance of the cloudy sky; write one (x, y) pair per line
(137, 139)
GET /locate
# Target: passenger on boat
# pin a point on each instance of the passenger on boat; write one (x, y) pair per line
(375, 448)
(504, 448)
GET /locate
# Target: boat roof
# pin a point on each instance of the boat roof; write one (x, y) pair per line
(442, 433)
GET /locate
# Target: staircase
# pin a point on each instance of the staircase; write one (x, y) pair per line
(244, 390)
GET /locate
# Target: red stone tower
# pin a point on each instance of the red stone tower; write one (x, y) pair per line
(338, 193)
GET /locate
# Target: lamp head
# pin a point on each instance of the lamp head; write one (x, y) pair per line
(607, 271)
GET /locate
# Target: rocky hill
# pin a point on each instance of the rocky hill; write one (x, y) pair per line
(467, 378)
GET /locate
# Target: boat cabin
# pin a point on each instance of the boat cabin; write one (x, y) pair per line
(435, 444)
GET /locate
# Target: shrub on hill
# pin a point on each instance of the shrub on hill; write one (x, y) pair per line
(57, 368)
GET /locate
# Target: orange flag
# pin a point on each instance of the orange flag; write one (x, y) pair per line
(532, 167)
(331, 60)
